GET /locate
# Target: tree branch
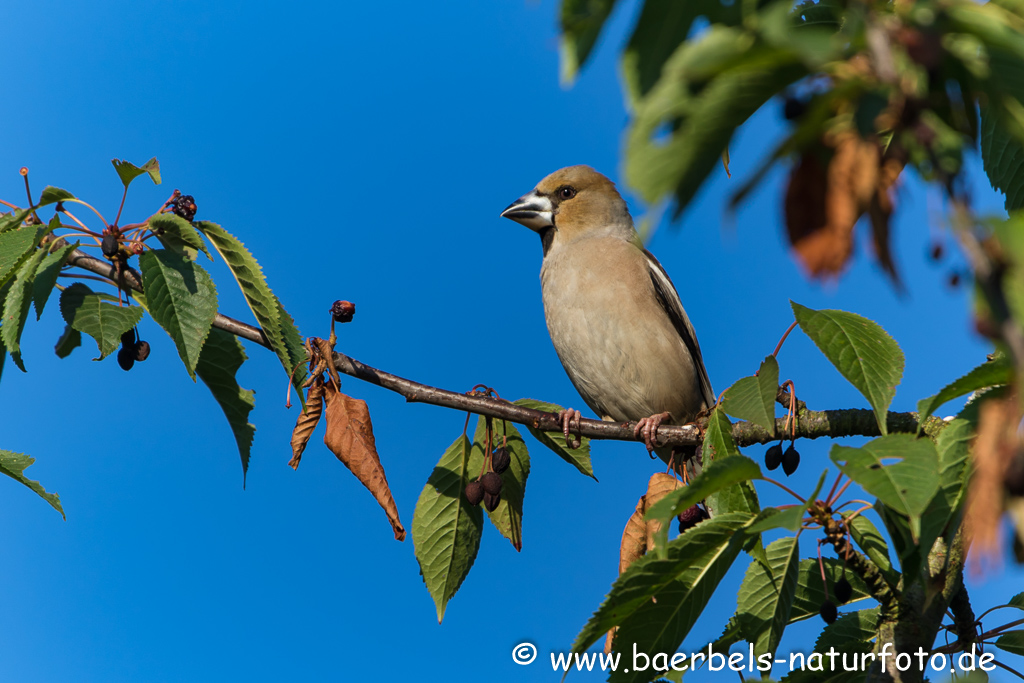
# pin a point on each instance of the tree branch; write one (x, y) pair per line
(811, 424)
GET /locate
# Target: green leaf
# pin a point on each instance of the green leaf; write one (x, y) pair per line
(46, 276)
(716, 476)
(88, 312)
(1002, 157)
(218, 364)
(900, 470)
(942, 517)
(708, 88)
(850, 628)
(15, 246)
(577, 457)
(16, 306)
(656, 601)
(52, 195)
(753, 398)
(270, 314)
(14, 466)
(996, 372)
(1012, 642)
(128, 172)
(70, 340)
(862, 352)
(13, 219)
(182, 298)
(582, 21)
(810, 591)
(765, 597)
(718, 444)
(177, 234)
(789, 518)
(1017, 601)
(866, 535)
(446, 529)
(508, 516)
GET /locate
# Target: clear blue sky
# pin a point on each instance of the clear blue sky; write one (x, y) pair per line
(364, 153)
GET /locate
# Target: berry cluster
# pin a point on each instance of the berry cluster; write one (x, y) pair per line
(842, 591)
(691, 517)
(790, 459)
(132, 349)
(184, 206)
(342, 311)
(487, 487)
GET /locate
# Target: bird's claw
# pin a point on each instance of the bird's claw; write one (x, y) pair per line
(570, 420)
(648, 426)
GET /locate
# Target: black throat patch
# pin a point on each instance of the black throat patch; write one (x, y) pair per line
(547, 236)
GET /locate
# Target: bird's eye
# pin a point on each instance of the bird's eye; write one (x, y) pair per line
(566, 192)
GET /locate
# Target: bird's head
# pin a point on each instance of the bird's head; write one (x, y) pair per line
(569, 203)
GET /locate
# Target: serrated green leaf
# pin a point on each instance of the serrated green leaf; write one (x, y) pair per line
(276, 323)
(753, 398)
(861, 350)
(16, 306)
(13, 219)
(182, 299)
(717, 475)
(446, 529)
(70, 340)
(582, 21)
(508, 516)
(52, 195)
(1002, 157)
(577, 457)
(718, 444)
(810, 591)
(942, 517)
(177, 234)
(900, 470)
(221, 356)
(89, 312)
(866, 535)
(15, 246)
(1012, 642)
(850, 628)
(46, 276)
(996, 372)
(1017, 601)
(765, 597)
(14, 465)
(656, 601)
(128, 171)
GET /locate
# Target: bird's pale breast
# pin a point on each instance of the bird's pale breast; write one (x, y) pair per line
(617, 344)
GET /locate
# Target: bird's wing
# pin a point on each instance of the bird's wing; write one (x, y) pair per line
(669, 300)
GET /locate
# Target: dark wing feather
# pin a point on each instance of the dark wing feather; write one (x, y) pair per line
(669, 300)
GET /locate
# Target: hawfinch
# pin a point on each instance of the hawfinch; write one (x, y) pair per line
(613, 314)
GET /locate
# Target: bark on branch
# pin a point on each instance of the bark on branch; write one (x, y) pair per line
(810, 424)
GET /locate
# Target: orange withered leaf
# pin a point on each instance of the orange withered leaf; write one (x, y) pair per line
(632, 548)
(659, 485)
(350, 437)
(308, 420)
(994, 450)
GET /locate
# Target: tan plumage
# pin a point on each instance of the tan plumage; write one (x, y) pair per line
(613, 314)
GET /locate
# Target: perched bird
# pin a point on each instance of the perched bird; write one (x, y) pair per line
(614, 316)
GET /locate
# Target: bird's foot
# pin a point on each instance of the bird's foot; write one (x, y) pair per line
(570, 420)
(648, 426)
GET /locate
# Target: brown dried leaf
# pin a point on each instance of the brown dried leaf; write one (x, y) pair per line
(659, 485)
(993, 451)
(632, 548)
(350, 437)
(327, 354)
(309, 418)
(880, 210)
(823, 203)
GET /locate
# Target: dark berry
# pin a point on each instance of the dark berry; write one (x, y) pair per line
(491, 501)
(492, 483)
(128, 338)
(790, 460)
(828, 611)
(500, 460)
(184, 206)
(954, 279)
(691, 517)
(773, 457)
(843, 591)
(936, 252)
(793, 108)
(125, 358)
(474, 492)
(142, 351)
(342, 311)
(109, 246)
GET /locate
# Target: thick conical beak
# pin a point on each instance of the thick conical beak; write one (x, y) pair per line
(532, 210)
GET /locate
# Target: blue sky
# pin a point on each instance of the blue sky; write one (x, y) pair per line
(365, 154)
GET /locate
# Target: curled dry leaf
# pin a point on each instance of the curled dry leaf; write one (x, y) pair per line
(308, 420)
(659, 485)
(350, 437)
(632, 548)
(994, 449)
(824, 200)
